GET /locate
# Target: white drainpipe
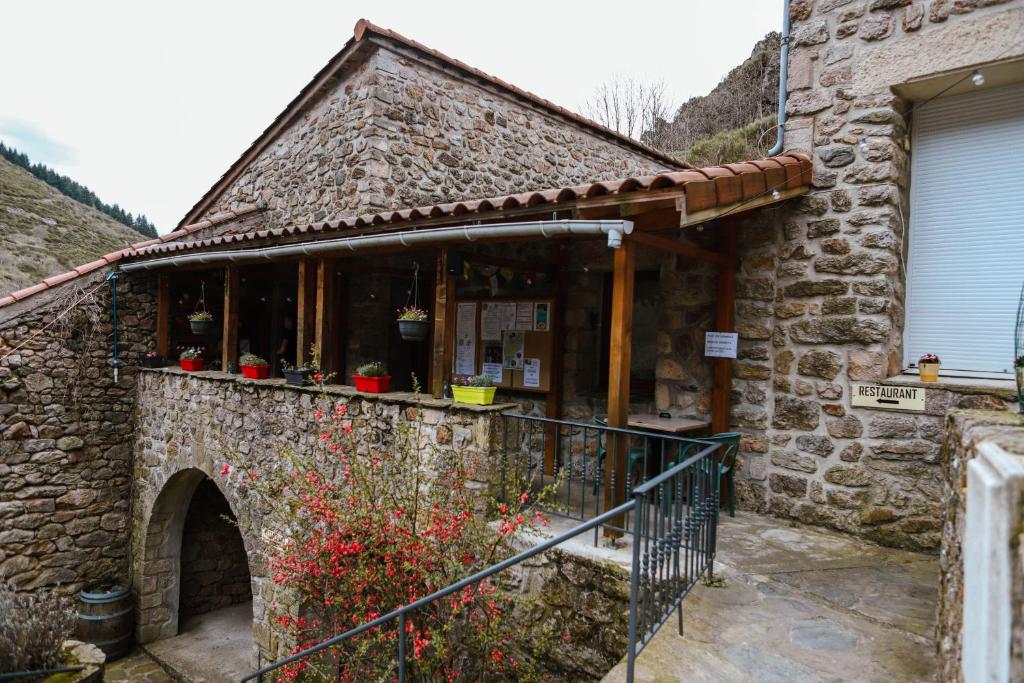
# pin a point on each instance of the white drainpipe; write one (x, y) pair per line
(613, 229)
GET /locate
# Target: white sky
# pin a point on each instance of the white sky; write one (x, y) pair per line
(149, 103)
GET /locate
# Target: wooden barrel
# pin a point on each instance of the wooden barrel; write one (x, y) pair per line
(107, 619)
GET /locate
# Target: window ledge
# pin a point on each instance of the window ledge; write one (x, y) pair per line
(401, 397)
(1005, 389)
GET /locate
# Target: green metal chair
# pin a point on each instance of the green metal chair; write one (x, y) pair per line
(727, 462)
(635, 455)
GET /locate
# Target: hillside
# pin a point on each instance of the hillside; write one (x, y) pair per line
(43, 232)
(735, 121)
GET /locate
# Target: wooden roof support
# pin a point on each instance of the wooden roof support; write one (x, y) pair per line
(725, 321)
(444, 325)
(674, 247)
(326, 315)
(305, 318)
(229, 347)
(163, 315)
(619, 360)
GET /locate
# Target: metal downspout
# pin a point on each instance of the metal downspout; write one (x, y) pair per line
(783, 78)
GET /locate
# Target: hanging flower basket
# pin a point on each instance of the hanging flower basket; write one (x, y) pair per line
(253, 366)
(413, 324)
(202, 323)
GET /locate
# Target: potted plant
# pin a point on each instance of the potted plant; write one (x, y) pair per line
(201, 322)
(928, 367)
(413, 324)
(478, 390)
(253, 366)
(297, 375)
(191, 359)
(152, 360)
(372, 378)
(1018, 366)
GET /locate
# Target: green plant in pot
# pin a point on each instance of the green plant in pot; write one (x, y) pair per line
(477, 390)
(1018, 368)
(191, 359)
(201, 322)
(413, 323)
(372, 378)
(253, 366)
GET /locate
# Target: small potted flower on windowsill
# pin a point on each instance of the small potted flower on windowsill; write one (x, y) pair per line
(413, 324)
(1018, 367)
(191, 360)
(253, 366)
(372, 378)
(201, 322)
(928, 367)
(152, 360)
(478, 390)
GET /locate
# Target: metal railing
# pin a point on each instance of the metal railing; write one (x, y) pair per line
(573, 461)
(674, 532)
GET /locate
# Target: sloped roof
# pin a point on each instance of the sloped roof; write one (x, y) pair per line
(364, 33)
(704, 188)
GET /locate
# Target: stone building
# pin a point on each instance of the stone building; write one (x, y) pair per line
(808, 256)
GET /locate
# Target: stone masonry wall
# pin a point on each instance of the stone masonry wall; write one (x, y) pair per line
(188, 422)
(824, 275)
(399, 133)
(66, 429)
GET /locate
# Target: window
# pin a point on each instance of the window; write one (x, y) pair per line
(966, 250)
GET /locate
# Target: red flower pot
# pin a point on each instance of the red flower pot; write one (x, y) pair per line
(193, 365)
(255, 371)
(372, 385)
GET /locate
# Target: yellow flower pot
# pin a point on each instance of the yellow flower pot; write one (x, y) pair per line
(480, 396)
(929, 372)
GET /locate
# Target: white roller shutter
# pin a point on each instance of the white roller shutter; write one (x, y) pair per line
(966, 256)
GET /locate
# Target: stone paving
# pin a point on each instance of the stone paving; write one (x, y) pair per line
(138, 667)
(800, 604)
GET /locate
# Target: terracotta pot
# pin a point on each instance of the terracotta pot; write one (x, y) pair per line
(255, 371)
(372, 385)
(929, 372)
(191, 365)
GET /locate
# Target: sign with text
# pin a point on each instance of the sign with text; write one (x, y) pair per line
(720, 344)
(888, 397)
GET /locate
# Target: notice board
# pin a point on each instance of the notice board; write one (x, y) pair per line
(512, 340)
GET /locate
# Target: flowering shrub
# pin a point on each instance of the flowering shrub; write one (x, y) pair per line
(473, 381)
(928, 358)
(201, 316)
(251, 359)
(371, 529)
(191, 353)
(32, 628)
(372, 369)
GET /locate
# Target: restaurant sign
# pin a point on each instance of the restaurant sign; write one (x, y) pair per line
(888, 397)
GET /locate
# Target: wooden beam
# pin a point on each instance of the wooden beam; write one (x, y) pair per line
(619, 359)
(229, 342)
(325, 318)
(553, 404)
(444, 325)
(163, 315)
(305, 317)
(725, 321)
(674, 247)
(734, 209)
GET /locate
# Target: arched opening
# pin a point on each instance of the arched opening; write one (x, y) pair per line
(194, 583)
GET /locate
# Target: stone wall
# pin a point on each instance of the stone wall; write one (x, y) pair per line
(189, 422)
(821, 288)
(398, 133)
(965, 432)
(65, 431)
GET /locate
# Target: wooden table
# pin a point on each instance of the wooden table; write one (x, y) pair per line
(669, 425)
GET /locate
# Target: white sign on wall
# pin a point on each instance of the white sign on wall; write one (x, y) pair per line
(720, 344)
(888, 397)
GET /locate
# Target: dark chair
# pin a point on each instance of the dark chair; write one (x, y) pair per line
(636, 455)
(727, 462)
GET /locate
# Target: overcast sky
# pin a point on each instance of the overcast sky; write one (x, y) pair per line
(149, 103)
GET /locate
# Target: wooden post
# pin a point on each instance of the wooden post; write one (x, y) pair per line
(163, 315)
(305, 317)
(229, 342)
(444, 326)
(553, 404)
(325, 318)
(725, 321)
(619, 359)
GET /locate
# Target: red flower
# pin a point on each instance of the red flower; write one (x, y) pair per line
(225, 470)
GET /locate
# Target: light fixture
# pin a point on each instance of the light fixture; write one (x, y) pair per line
(863, 146)
(978, 78)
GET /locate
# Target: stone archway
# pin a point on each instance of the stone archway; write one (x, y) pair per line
(164, 558)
